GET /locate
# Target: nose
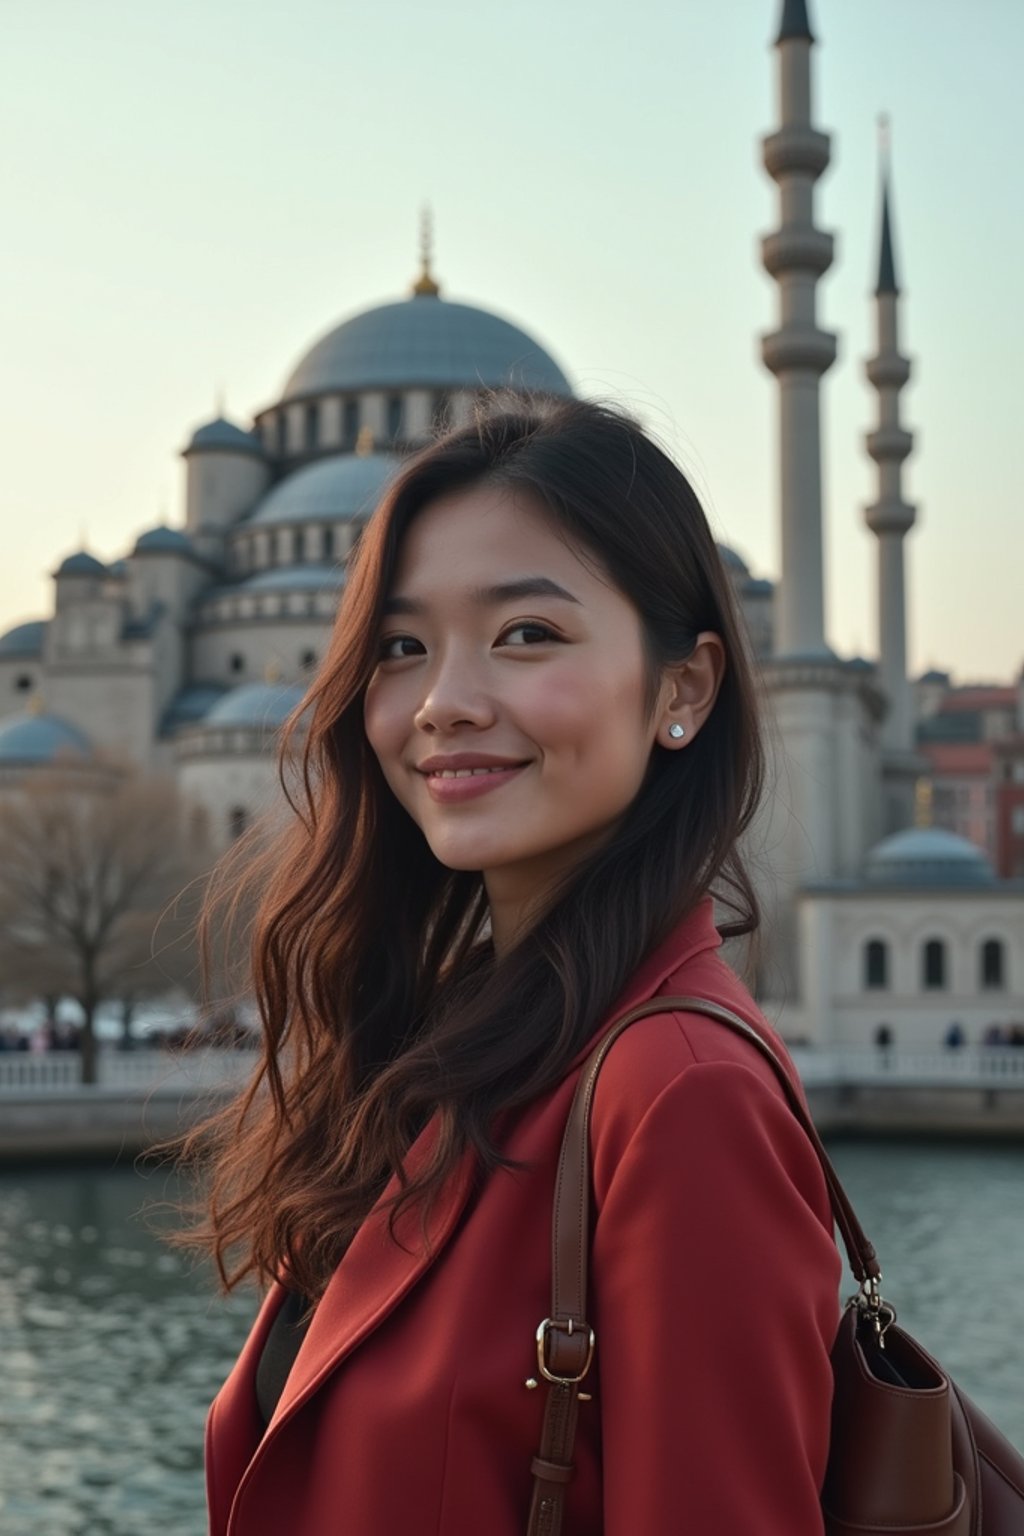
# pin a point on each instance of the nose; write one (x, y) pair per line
(456, 697)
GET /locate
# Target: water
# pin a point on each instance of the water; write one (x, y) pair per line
(112, 1348)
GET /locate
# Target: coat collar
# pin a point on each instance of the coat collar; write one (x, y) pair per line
(376, 1272)
(690, 936)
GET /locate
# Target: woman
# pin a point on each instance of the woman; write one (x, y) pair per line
(531, 750)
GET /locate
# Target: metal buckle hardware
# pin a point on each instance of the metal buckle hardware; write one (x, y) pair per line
(871, 1304)
(570, 1327)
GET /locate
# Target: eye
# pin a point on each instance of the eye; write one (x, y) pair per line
(397, 647)
(531, 632)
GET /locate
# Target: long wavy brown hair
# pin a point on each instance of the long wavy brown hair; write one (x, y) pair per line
(382, 1003)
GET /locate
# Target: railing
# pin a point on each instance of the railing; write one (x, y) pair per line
(983, 1066)
(140, 1071)
(176, 1072)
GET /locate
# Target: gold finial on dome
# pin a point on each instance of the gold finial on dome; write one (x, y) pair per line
(364, 443)
(425, 285)
(923, 803)
(272, 672)
(36, 704)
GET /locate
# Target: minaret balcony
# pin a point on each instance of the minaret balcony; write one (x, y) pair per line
(890, 516)
(888, 370)
(889, 445)
(798, 348)
(797, 248)
(796, 148)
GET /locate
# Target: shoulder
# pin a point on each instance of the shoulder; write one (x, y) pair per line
(678, 1076)
(663, 1046)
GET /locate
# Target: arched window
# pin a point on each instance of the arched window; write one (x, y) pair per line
(299, 545)
(23, 683)
(394, 415)
(237, 662)
(876, 964)
(312, 426)
(238, 820)
(933, 970)
(350, 421)
(308, 660)
(329, 543)
(993, 969)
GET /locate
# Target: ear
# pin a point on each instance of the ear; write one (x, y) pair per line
(688, 692)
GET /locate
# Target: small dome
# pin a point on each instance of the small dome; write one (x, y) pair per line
(224, 436)
(337, 489)
(189, 705)
(429, 342)
(164, 541)
(24, 639)
(927, 856)
(733, 562)
(859, 664)
(293, 578)
(27, 739)
(757, 586)
(81, 564)
(260, 706)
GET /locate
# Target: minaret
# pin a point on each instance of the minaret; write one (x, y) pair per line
(890, 517)
(799, 352)
(820, 811)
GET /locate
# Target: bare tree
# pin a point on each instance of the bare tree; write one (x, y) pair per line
(85, 874)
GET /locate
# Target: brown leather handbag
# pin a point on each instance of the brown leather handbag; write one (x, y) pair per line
(909, 1451)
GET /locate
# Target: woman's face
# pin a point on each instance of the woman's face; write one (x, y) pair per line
(508, 710)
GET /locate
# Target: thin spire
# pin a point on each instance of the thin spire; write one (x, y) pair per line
(886, 262)
(425, 285)
(794, 21)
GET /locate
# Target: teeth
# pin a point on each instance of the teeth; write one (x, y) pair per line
(467, 773)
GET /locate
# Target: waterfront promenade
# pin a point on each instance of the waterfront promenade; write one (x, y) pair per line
(145, 1095)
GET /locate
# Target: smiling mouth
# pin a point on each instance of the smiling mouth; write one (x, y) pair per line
(469, 773)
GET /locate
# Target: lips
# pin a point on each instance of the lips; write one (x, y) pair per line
(465, 776)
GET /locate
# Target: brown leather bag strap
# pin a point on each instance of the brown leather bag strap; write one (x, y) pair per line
(565, 1342)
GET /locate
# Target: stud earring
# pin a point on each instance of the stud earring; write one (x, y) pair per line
(677, 732)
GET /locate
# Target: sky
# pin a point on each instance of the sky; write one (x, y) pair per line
(194, 192)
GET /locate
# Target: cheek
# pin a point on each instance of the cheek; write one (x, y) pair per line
(385, 721)
(588, 710)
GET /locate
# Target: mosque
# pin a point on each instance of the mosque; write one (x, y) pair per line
(186, 655)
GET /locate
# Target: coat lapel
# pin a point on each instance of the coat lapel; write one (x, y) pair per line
(375, 1273)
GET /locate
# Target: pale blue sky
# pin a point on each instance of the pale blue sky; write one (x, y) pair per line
(195, 191)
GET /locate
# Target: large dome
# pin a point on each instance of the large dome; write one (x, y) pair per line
(331, 490)
(428, 342)
(927, 856)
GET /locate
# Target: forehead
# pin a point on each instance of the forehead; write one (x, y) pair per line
(469, 538)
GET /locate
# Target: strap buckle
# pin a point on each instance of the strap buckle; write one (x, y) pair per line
(568, 1327)
(871, 1304)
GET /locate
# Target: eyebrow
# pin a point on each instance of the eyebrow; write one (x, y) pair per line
(491, 597)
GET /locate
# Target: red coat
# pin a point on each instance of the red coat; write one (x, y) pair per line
(714, 1298)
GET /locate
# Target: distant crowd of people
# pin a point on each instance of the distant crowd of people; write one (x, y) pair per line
(225, 1030)
(62, 1036)
(955, 1036)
